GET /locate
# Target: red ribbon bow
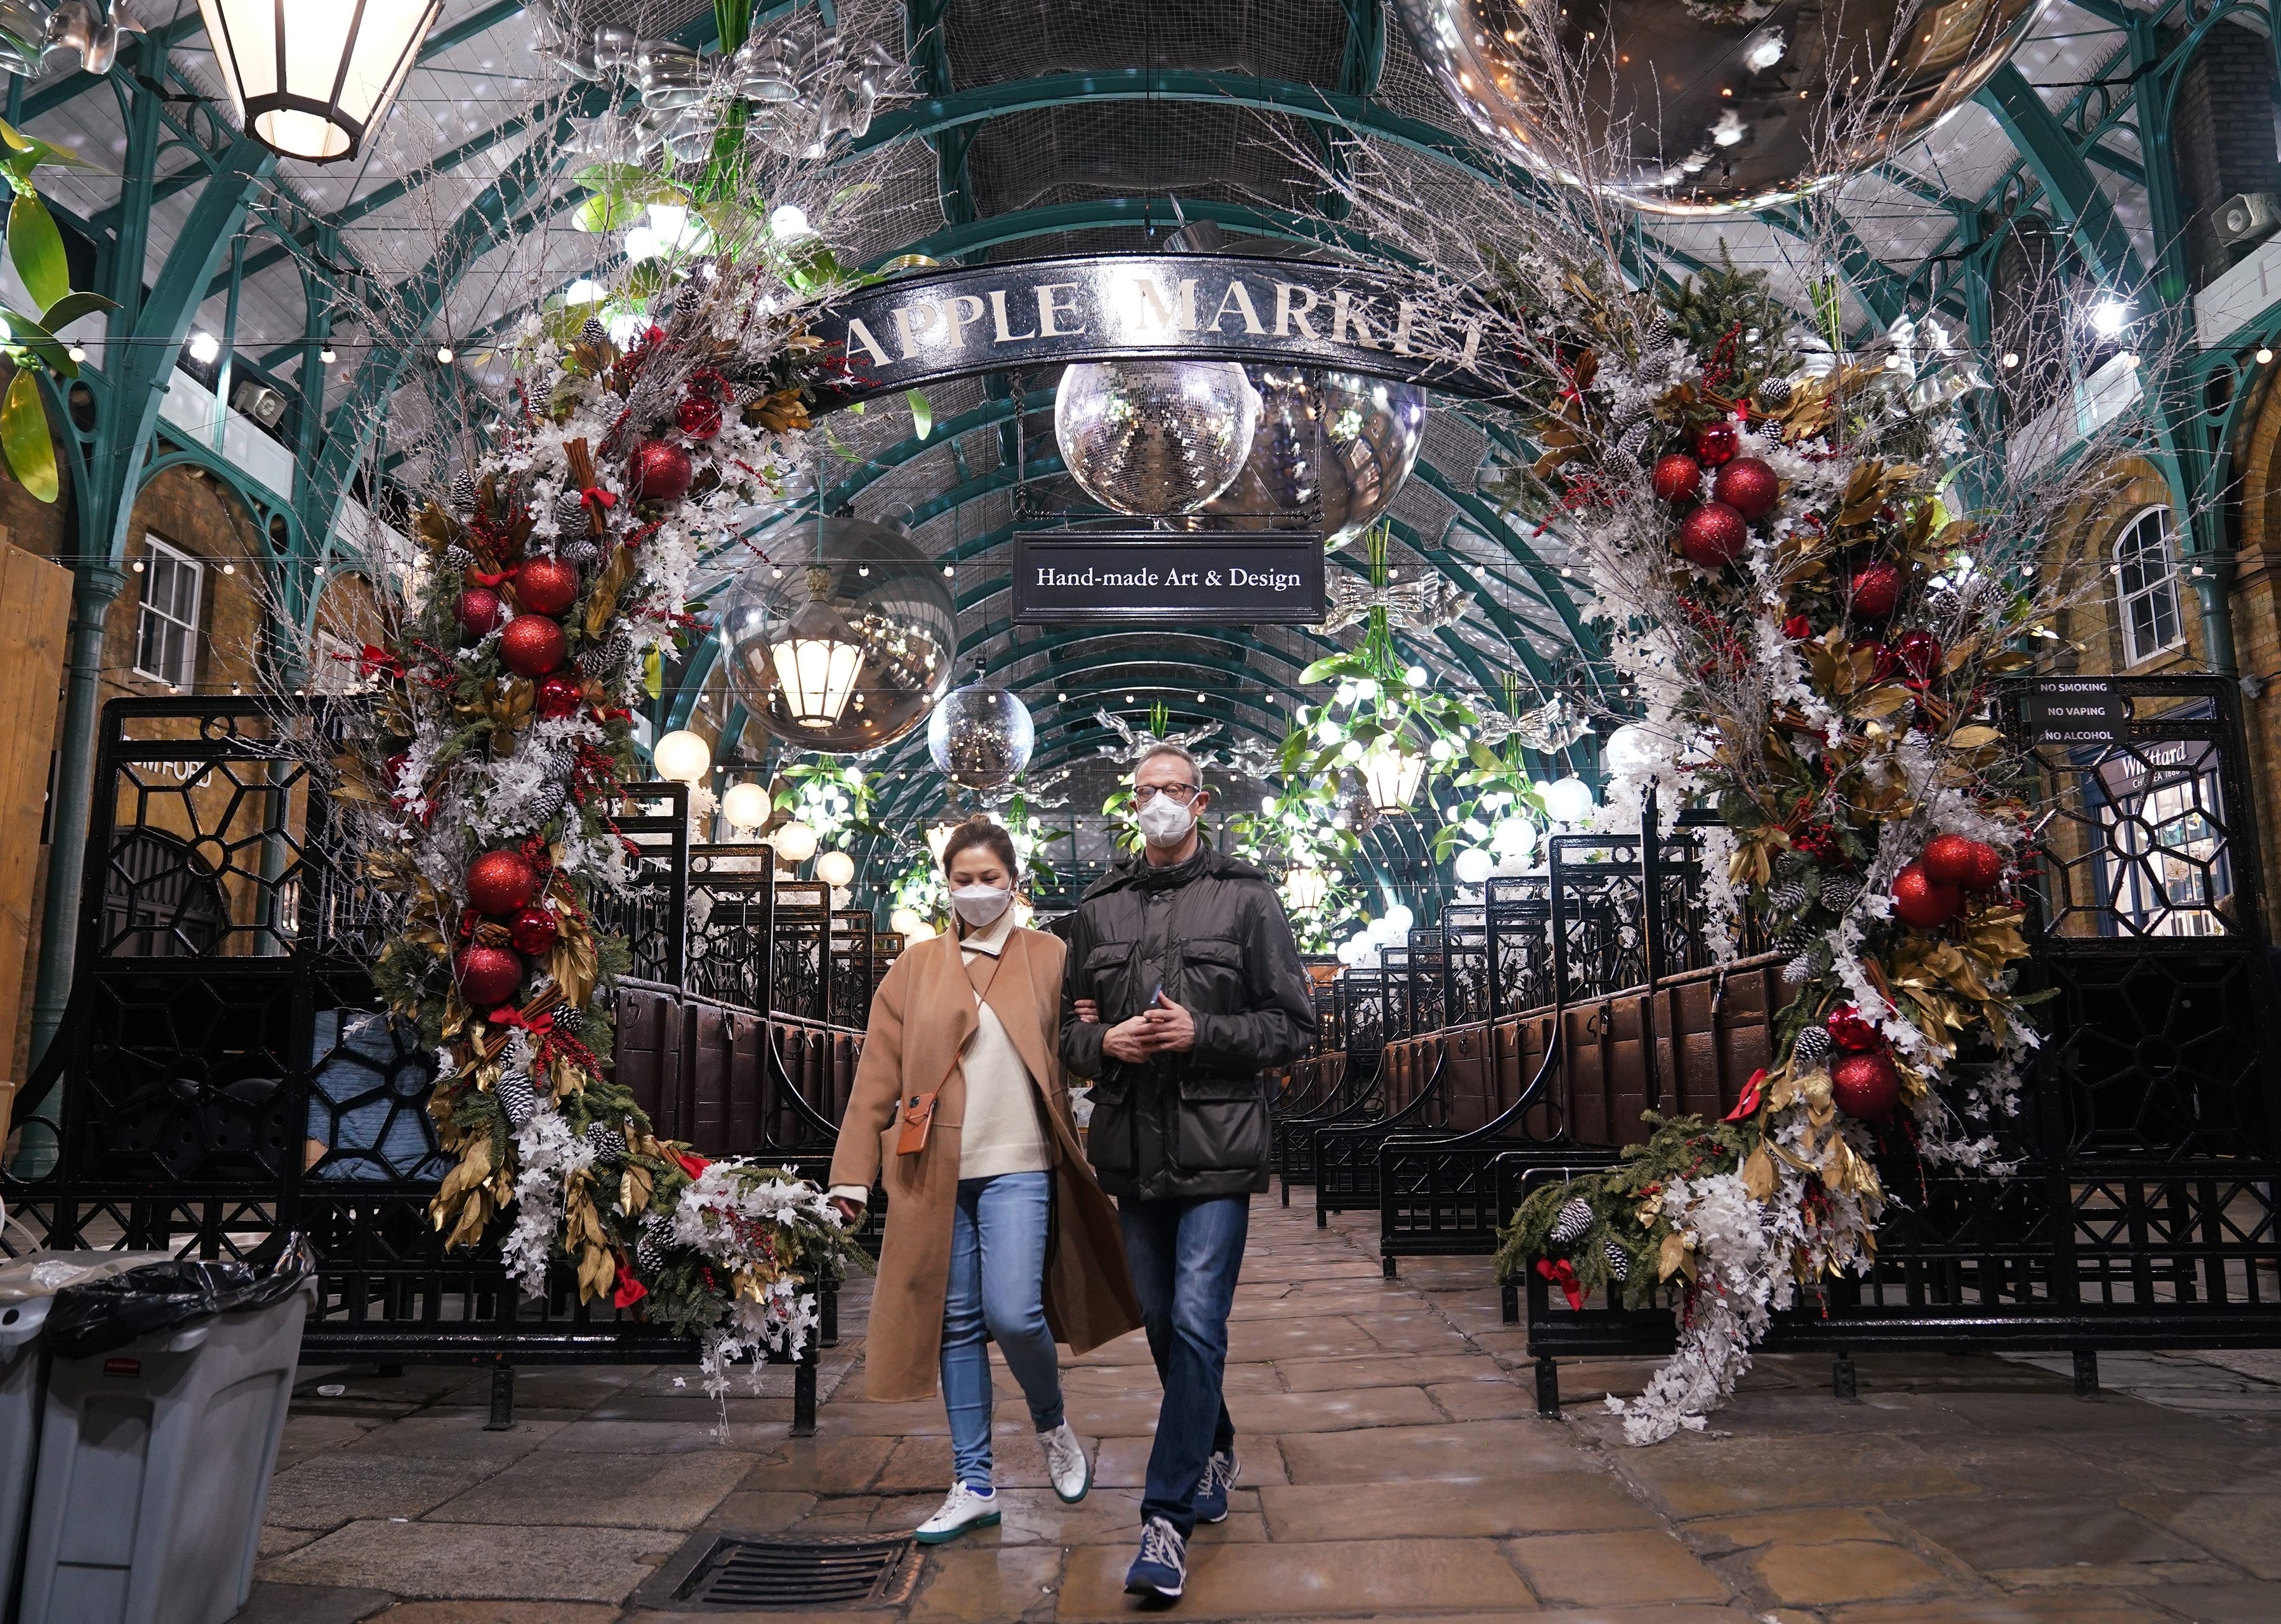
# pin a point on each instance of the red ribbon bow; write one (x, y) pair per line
(598, 499)
(1561, 1274)
(482, 578)
(374, 659)
(1747, 1106)
(630, 1288)
(537, 1025)
(691, 1165)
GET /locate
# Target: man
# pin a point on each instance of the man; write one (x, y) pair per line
(1183, 984)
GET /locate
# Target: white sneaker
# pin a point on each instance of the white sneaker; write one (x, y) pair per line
(1066, 1464)
(967, 1507)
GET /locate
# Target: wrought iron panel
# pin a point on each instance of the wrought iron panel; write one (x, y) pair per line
(1363, 1013)
(801, 978)
(1464, 964)
(1519, 926)
(653, 914)
(731, 923)
(1428, 985)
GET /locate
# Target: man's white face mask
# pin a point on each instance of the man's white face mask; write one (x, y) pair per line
(1165, 822)
(979, 905)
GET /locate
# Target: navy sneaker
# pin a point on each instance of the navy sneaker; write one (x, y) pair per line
(1211, 1490)
(1162, 1567)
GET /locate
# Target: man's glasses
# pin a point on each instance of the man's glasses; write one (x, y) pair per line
(1142, 794)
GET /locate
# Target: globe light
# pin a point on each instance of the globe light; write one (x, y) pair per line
(205, 349)
(1305, 888)
(835, 868)
(2109, 317)
(906, 920)
(682, 756)
(1345, 953)
(1568, 801)
(849, 653)
(746, 806)
(1416, 676)
(1514, 837)
(795, 843)
(919, 932)
(1155, 437)
(788, 221)
(313, 82)
(938, 837)
(1391, 775)
(1399, 921)
(1473, 865)
(1631, 751)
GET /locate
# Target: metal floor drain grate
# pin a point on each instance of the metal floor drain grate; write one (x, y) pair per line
(749, 1574)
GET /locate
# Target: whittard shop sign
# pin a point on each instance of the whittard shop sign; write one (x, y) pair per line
(915, 330)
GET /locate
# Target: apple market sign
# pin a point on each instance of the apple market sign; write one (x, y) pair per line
(915, 330)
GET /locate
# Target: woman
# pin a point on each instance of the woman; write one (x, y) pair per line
(994, 1226)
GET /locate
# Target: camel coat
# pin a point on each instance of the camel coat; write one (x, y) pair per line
(921, 1018)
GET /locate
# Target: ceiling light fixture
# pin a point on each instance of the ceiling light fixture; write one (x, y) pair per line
(308, 82)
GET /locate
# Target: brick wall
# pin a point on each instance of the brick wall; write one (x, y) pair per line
(2222, 131)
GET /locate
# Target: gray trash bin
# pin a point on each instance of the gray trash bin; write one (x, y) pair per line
(28, 1286)
(154, 1466)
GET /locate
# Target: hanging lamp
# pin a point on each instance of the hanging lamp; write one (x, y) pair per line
(313, 82)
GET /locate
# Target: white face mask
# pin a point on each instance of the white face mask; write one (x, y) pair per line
(1165, 822)
(979, 905)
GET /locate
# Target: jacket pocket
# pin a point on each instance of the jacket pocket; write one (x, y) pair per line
(1223, 1125)
(1108, 1138)
(1211, 975)
(1109, 969)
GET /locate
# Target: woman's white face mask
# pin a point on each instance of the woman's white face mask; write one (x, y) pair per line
(1165, 822)
(979, 905)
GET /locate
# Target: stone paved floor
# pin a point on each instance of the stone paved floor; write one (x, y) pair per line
(1394, 1467)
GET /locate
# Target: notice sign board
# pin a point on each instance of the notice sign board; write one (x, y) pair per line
(1065, 580)
(2075, 710)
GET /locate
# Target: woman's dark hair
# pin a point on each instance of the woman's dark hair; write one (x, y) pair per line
(981, 831)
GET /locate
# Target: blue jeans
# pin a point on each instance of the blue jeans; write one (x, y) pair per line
(997, 1291)
(1184, 1255)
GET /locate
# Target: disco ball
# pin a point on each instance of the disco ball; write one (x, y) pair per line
(1337, 438)
(980, 736)
(845, 645)
(1714, 106)
(1155, 437)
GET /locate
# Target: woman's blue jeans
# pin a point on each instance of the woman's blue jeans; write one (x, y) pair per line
(997, 1291)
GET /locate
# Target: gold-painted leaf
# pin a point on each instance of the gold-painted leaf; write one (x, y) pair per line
(1973, 738)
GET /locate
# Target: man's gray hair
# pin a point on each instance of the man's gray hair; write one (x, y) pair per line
(1163, 746)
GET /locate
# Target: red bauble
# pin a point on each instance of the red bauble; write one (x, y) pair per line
(558, 696)
(1676, 477)
(1923, 901)
(1987, 867)
(1851, 1031)
(1716, 443)
(1920, 652)
(660, 471)
(480, 612)
(533, 644)
(1798, 628)
(533, 931)
(546, 585)
(1866, 1085)
(1948, 858)
(1876, 589)
(1712, 536)
(1749, 486)
(500, 882)
(699, 417)
(488, 976)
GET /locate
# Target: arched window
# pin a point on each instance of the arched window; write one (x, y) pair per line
(2146, 587)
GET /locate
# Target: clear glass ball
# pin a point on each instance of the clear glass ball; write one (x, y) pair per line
(1335, 439)
(980, 736)
(1155, 437)
(844, 646)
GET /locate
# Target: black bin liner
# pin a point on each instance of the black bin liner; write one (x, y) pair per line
(103, 1316)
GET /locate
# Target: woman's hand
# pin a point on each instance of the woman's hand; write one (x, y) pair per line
(850, 1213)
(1089, 1011)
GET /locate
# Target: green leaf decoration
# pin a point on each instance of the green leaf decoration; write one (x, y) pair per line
(14, 137)
(605, 212)
(652, 673)
(71, 307)
(37, 249)
(922, 413)
(1321, 668)
(24, 437)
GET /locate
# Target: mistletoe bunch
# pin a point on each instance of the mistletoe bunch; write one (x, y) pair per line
(1814, 635)
(554, 581)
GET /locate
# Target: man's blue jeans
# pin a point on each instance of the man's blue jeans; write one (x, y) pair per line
(997, 1289)
(1184, 1255)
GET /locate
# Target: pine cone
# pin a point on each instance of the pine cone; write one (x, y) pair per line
(1840, 892)
(656, 1245)
(601, 661)
(570, 514)
(582, 551)
(546, 800)
(608, 1144)
(463, 490)
(593, 332)
(516, 1098)
(457, 558)
(1620, 1259)
(1793, 941)
(1813, 1049)
(1633, 446)
(1773, 393)
(1787, 896)
(1798, 972)
(569, 1018)
(1572, 1220)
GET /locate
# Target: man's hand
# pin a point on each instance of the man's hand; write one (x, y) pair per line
(1088, 1012)
(1134, 1041)
(1173, 1028)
